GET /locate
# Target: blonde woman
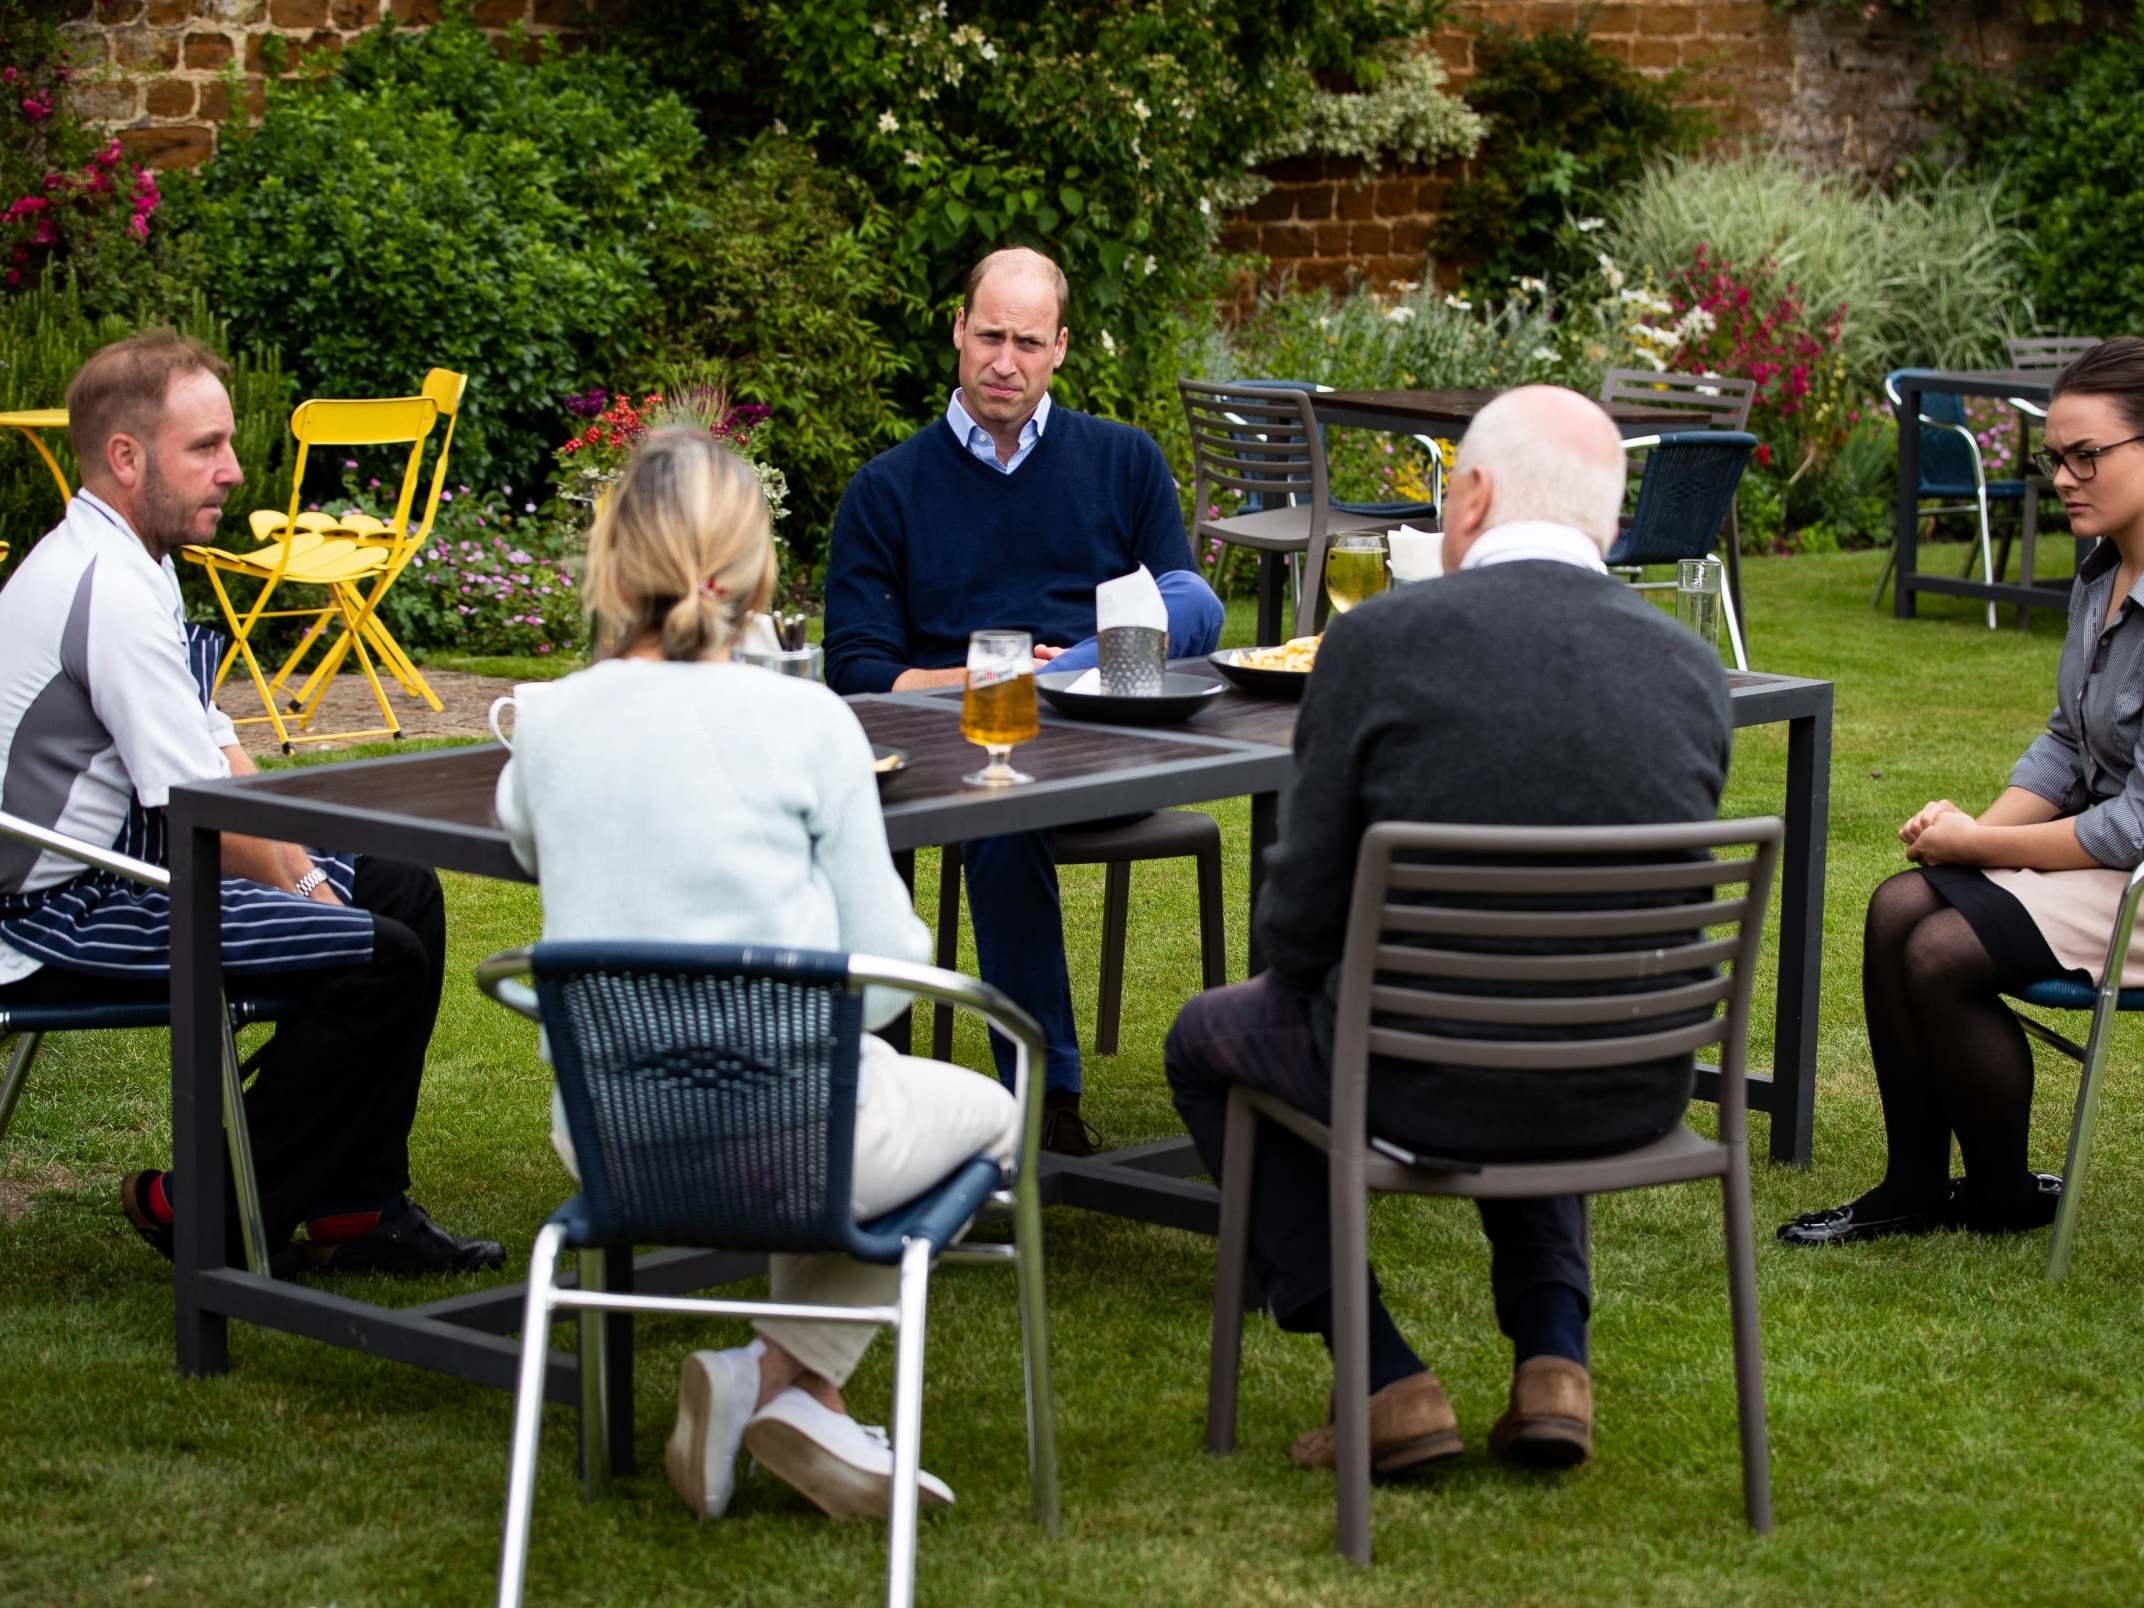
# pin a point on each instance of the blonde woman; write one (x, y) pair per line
(670, 795)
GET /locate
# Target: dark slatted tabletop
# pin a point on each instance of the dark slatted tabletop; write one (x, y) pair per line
(1419, 408)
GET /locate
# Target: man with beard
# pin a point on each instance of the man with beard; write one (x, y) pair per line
(104, 708)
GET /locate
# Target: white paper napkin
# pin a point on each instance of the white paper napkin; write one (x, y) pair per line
(1132, 599)
(1417, 555)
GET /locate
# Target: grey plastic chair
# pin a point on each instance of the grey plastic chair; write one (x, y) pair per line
(1684, 496)
(2104, 1001)
(1722, 402)
(710, 1090)
(1621, 928)
(1117, 846)
(30, 1025)
(1264, 442)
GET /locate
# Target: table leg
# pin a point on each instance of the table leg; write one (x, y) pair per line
(196, 1094)
(1269, 576)
(1801, 936)
(618, 1341)
(1265, 832)
(1904, 536)
(900, 1032)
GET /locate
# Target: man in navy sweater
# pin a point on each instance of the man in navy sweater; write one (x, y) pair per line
(1007, 513)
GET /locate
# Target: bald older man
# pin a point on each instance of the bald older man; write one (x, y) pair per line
(1525, 687)
(1007, 513)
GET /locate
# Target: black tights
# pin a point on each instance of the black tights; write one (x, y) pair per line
(1950, 1058)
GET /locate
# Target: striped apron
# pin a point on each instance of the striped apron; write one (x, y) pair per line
(107, 926)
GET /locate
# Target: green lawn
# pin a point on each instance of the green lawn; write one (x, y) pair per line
(1945, 1426)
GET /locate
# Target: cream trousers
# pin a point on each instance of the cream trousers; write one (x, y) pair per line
(916, 1121)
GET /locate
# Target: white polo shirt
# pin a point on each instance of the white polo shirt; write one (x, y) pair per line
(98, 705)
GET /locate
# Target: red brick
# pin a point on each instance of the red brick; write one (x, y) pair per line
(1324, 275)
(139, 49)
(215, 104)
(115, 102)
(556, 13)
(206, 52)
(168, 13)
(1236, 236)
(1354, 201)
(170, 97)
(298, 13)
(181, 145)
(1411, 235)
(1276, 204)
(117, 11)
(1735, 21)
(1286, 240)
(1367, 239)
(1332, 239)
(1395, 198)
(1297, 170)
(354, 14)
(421, 13)
(1646, 53)
(1314, 201)
(1670, 18)
(501, 13)
(1615, 20)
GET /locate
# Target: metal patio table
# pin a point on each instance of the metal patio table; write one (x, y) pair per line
(2027, 385)
(1429, 412)
(436, 808)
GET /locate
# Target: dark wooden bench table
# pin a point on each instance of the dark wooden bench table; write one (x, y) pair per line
(435, 809)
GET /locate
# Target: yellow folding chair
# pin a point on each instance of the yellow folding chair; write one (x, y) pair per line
(300, 556)
(29, 421)
(443, 387)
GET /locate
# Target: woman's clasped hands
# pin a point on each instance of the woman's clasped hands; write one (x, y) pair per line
(1939, 833)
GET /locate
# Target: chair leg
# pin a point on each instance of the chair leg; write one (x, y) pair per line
(595, 1384)
(1987, 561)
(1213, 920)
(948, 956)
(907, 1423)
(238, 1138)
(2028, 537)
(1734, 627)
(18, 1073)
(1351, 1352)
(1035, 1349)
(528, 1415)
(1239, 1161)
(2094, 1063)
(1749, 1352)
(1116, 918)
(1890, 562)
(1731, 550)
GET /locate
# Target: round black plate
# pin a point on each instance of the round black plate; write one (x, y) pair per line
(880, 752)
(1273, 683)
(1182, 695)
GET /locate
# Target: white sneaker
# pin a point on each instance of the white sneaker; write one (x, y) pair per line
(716, 1392)
(846, 1468)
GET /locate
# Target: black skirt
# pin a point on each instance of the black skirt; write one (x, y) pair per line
(2004, 927)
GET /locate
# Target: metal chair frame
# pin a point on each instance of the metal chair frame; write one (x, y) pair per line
(500, 977)
(1978, 507)
(29, 1025)
(1390, 971)
(2105, 1001)
(1163, 835)
(1722, 401)
(1264, 442)
(1728, 605)
(2034, 354)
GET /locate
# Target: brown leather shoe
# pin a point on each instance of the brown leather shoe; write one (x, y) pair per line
(1549, 1423)
(1410, 1423)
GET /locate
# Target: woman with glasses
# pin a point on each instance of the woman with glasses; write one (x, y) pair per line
(2027, 889)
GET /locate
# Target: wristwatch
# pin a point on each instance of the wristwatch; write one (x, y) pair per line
(305, 885)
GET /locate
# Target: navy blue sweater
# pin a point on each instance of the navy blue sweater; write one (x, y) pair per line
(931, 543)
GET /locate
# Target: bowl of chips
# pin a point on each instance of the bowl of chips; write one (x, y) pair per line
(1280, 671)
(887, 762)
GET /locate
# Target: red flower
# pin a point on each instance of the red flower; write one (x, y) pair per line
(1764, 456)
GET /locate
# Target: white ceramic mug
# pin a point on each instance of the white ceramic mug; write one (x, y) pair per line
(1416, 555)
(522, 692)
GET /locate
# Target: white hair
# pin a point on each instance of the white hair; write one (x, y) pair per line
(1540, 469)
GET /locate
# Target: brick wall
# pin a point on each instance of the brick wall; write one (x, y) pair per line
(166, 95)
(1832, 86)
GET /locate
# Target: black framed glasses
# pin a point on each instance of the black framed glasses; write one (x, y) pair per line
(2081, 462)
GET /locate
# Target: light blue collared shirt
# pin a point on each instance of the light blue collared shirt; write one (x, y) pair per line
(978, 439)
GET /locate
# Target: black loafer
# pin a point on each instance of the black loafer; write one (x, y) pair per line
(1844, 1225)
(408, 1243)
(2031, 1211)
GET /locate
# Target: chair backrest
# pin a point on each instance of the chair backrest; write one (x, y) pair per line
(1950, 463)
(356, 422)
(710, 1090)
(1261, 440)
(1721, 399)
(2037, 352)
(1684, 495)
(1551, 949)
(23, 842)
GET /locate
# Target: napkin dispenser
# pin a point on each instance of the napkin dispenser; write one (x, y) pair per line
(1132, 635)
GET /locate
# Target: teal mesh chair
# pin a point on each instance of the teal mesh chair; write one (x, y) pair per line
(2104, 1002)
(710, 1091)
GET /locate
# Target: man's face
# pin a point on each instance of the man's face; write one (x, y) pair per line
(1010, 344)
(188, 466)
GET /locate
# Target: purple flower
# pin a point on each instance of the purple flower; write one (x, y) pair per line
(588, 403)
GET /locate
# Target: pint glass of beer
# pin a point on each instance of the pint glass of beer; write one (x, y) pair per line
(998, 708)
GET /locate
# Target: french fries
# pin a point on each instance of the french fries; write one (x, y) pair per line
(1298, 654)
